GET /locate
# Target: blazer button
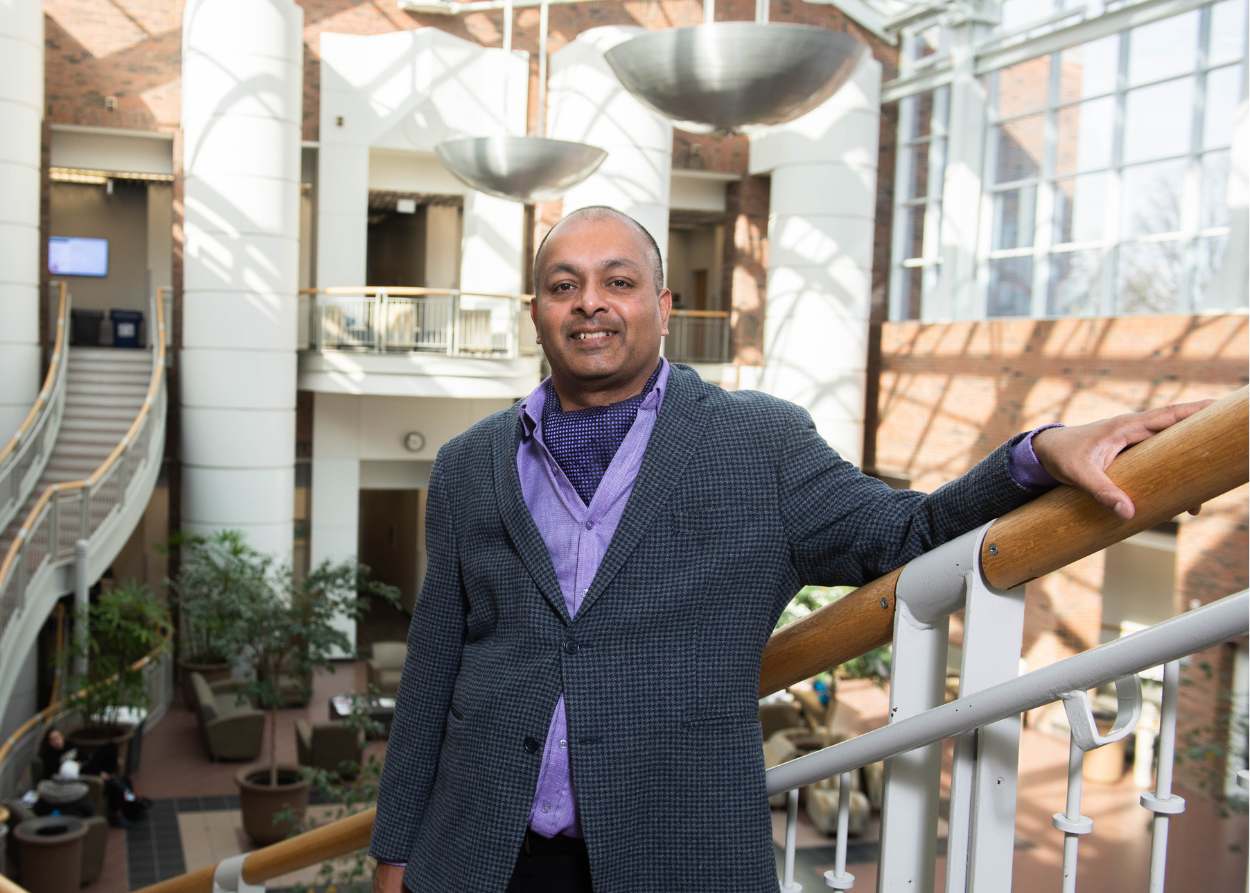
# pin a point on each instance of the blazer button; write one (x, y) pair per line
(570, 645)
(530, 744)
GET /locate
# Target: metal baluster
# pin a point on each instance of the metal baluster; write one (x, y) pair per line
(1085, 737)
(1163, 803)
(788, 884)
(382, 322)
(1071, 822)
(839, 878)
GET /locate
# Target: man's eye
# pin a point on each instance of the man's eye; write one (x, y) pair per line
(620, 283)
(562, 286)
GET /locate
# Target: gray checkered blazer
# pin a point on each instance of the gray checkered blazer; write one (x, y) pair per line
(738, 503)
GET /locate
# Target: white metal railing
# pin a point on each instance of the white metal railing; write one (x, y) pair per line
(22, 459)
(698, 336)
(429, 320)
(984, 723)
(76, 510)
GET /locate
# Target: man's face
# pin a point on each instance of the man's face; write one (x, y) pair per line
(596, 308)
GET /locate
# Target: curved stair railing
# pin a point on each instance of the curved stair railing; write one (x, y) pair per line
(23, 458)
(980, 572)
(38, 565)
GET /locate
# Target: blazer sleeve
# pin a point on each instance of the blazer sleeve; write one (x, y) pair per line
(435, 642)
(846, 528)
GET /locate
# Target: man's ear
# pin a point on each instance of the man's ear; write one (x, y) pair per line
(538, 338)
(666, 308)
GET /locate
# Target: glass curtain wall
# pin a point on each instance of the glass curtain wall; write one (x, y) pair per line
(1105, 171)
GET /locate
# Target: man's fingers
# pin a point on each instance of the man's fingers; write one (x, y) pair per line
(1166, 416)
(1103, 489)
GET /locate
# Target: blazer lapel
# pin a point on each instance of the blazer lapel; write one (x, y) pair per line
(678, 429)
(517, 519)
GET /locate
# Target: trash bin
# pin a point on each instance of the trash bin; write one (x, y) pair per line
(126, 325)
(84, 327)
(51, 853)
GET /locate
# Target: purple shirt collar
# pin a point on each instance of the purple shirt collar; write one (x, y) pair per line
(530, 410)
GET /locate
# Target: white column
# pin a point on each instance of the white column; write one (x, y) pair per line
(588, 105)
(21, 117)
(491, 245)
(334, 525)
(820, 235)
(241, 117)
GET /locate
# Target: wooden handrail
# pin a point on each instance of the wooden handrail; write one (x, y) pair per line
(49, 378)
(1193, 461)
(154, 385)
(1178, 469)
(327, 842)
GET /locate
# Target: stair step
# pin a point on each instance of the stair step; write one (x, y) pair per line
(107, 389)
(76, 403)
(124, 373)
(114, 427)
(111, 354)
(100, 411)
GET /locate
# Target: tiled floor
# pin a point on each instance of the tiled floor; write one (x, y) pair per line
(194, 821)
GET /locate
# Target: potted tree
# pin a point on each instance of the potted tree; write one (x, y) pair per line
(207, 592)
(125, 624)
(283, 629)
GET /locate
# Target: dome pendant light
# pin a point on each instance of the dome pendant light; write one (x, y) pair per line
(522, 168)
(724, 76)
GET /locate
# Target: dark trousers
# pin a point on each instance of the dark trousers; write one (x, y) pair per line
(551, 865)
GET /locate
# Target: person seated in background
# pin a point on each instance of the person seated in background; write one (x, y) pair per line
(102, 762)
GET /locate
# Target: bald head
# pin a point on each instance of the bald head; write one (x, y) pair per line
(603, 212)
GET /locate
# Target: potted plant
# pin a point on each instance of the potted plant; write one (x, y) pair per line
(207, 592)
(124, 624)
(283, 628)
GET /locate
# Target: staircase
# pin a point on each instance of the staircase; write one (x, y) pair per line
(104, 389)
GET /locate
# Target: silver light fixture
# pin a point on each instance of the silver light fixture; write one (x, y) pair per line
(725, 76)
(521, 168)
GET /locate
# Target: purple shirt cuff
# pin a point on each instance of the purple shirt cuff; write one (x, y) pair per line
(1024, 466)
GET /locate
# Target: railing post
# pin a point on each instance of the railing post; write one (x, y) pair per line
(228, 878)
(382, 322)
(1163, 803)
(982, 822)
(453, 322)
(82, 588)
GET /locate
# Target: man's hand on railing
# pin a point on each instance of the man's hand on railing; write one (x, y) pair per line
(1080, 455)
(388, 878)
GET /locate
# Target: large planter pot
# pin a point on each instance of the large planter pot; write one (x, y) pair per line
(90, 738)
(212, 671)
(51, 853)
(260, 802)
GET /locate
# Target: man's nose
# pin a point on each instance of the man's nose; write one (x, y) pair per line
(590, 300)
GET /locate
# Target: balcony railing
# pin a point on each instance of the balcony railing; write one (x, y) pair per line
(981, 573)
(418, 320)
(698, 336)
(22, 459)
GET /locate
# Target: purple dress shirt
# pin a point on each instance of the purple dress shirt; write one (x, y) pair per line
(577, 536)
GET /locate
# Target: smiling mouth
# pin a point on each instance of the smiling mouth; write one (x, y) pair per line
(592, 337)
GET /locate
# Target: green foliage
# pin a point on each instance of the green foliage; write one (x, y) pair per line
(124, 624)
(281, 627)
(211, 586)
(874, 664)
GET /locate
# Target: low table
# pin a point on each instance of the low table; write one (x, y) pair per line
(380, 710)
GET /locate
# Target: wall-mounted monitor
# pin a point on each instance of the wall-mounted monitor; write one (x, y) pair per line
(78, 256)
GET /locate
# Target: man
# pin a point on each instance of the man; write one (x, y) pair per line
(606, 563)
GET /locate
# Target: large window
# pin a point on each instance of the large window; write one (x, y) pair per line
(1106, 167)
(1104, 172)
(921, 162)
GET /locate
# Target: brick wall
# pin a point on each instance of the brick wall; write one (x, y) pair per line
(949, 393)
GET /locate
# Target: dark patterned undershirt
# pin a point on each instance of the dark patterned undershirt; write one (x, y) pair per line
(584, 441)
